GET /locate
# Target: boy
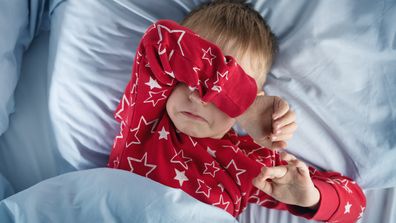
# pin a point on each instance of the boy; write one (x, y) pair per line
(177, 112)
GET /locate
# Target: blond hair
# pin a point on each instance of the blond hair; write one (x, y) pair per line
(236, 27)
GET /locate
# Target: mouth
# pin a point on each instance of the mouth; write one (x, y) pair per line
(193, 116)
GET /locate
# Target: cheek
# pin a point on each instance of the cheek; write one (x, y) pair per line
(222, 122)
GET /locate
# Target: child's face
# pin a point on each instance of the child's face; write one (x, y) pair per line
(194, 117)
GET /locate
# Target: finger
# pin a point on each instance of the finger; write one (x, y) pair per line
(285, 137)
(287, 129)
(274, 172)
(288, 118)
(280, 108)
(278, 145)
(301, 167)
(287, 156)
(262, 184)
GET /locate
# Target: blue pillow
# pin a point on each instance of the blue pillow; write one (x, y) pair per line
(106, 195)
(19, 22)
(5, 188)
(13, 23)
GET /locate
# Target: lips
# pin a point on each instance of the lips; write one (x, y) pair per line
(193, 116)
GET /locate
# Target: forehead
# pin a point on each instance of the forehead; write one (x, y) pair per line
(251, 63)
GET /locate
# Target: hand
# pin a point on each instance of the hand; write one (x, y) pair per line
(290, 184)
(269, 121)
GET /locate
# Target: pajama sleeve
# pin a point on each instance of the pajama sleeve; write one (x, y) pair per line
(341, 199)
(176, 54)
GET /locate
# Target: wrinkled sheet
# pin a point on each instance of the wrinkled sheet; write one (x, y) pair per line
(106, 195)
(336, 68)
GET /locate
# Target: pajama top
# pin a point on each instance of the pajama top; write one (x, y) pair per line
(215, 171)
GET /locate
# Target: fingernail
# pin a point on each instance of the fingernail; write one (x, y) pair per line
(273, 137)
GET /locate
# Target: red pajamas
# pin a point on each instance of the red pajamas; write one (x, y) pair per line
(214, 171)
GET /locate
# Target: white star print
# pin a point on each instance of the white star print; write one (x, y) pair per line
(222, 203)
(237, 204)
(254, 151)
(180, 176)
(185, 159)
(238, 171)
(138, 57)
(163, 134)
(348, 208)
(136, 140)
(149, 29)
(154, 100)
(211, 169)
(192, 88)
(134, 86)
(160, 29)
(121, 135)
(211, 152)
(343, 182)
(203, 188)
(216, 88)
(225, 74)
(209, 57)
(221, 187)
(206, 83)
(153, 84)
(123, 102)
(196, 69)
(192, 141)
(259, 201)
(170, 73)
(116, 162)
(171, 54)
(234, 148)
(152, 166)
(361, 211)
(312, 170)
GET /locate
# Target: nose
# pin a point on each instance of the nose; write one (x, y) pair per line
(194, 96)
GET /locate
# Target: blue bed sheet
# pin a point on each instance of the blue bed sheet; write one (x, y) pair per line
(336, 68)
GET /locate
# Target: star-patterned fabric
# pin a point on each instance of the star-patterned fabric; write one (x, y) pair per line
(214, 171)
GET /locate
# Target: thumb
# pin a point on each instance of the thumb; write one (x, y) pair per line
(261, 181)
(274, 172)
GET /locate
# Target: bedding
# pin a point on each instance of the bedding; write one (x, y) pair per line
(322, 72)
(12, 43)
(336, 68)
(5, 188)
(94, 196)
(19, 23)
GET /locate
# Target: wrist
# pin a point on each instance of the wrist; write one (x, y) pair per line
(314, 201)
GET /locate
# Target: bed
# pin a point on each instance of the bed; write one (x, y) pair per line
(64, 65)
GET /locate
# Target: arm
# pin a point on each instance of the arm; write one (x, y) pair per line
(269, 121)
(306, 192)
(174, 52)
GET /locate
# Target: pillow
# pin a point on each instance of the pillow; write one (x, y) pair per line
(20, 21)
(5, 188)
(93, 196)
(14, 22)
(90, 62)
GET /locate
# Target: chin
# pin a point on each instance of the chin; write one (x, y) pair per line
(192, 133)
